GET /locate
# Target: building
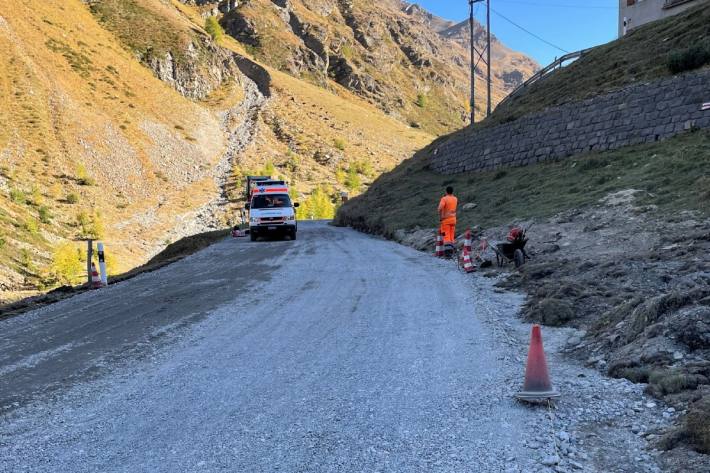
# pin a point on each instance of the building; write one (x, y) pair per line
(634, 13)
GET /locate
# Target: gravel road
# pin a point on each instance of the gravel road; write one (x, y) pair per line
(338, 352)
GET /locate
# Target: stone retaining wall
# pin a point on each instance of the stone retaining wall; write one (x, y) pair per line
(641, 113)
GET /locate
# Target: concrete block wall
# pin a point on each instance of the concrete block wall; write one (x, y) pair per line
(641, 113)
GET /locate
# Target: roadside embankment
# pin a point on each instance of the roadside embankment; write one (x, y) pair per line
(620, 247)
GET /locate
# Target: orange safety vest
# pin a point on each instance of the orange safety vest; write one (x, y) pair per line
(447, 209)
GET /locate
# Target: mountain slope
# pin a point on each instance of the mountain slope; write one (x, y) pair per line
(124, 120)
(411, 64)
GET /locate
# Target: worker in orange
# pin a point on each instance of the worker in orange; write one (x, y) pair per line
(447, 215)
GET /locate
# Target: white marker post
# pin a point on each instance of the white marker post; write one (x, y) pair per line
(102, 264)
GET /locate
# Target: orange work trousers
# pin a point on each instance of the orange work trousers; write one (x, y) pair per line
(449, 231)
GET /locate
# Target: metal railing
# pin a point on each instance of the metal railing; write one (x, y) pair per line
(542, 73)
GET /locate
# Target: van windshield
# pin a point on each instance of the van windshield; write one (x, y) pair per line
(270, 201)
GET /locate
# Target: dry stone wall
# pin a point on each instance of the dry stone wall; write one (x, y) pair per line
(641, 113)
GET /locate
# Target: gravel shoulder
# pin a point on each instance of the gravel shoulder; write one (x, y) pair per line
(337, 352)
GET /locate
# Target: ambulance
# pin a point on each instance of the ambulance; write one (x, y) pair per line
(271, 212)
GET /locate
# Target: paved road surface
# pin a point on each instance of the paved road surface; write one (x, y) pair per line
(338, 352)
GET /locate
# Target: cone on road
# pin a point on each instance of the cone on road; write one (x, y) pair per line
(95, 278)
(439, 250)
(537, 385)
(467, 264)
(467, 241)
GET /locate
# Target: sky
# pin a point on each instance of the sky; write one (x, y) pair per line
(568, 24)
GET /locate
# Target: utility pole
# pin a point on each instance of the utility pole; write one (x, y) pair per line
(473, 64)
(488, 54)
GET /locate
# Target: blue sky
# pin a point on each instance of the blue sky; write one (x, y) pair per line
(570, 24)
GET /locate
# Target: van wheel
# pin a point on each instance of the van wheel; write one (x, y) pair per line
(252, 236)
(293, 235)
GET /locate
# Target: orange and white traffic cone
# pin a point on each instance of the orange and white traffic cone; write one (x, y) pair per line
(467, 264)
(439, 250)
(537, 385)
(95, 278)
(467, 241)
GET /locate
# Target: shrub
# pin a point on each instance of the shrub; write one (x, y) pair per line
(318, 206)
(67, 263)
(353, 182)
(82, 177)
(339, 144)
(341, 176)
(44, 215)
(214, 29)
(36, 197)
(26, 259)
(421, 101)
(31, 226)
(72, 198)
(17, 196)
(3, 242)
(694, 57)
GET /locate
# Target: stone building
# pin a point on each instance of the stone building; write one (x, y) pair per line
(634, 13)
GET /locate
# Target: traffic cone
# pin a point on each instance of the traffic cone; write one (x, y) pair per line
(467, 264)
(467, 241)
(537, 385)
(95, 278)
(439, 250)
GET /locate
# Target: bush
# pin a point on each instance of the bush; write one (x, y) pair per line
(44, 215)
(694, 57)
(67, 263)
(36, 197)
(3, 242)
(31, 226)
(318, 206)
(421, 101)
(72, 198)
(214, 29)
(353, 181)
(26, 259)
(82, 177)
(17, 196)
(339, 144)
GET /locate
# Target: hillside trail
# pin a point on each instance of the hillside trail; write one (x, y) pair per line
(240, 124)
(335, 352)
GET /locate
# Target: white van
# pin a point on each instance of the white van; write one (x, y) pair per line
(271, 211)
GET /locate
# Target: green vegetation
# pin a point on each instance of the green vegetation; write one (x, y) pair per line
(17, 196)
(696, 56)
(214, 29)
(67, 263)
(140, 28)
(318, 206)
(672, 175)
(339, 144)
(421, 100)
(353, 181)
(31, 226)
(72, 198)
(44, 215)
(628, 60)
(82, 176)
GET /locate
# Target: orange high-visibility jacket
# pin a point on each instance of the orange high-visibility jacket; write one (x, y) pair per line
(447, 209)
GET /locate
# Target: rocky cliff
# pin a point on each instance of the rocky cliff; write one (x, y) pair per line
(408, 62)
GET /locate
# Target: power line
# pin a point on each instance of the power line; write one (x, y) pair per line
(528, 31)
(559, 5)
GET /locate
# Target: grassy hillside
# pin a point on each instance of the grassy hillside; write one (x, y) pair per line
(94, 144)
(673, 175)
(84, 129)
(643, 55)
